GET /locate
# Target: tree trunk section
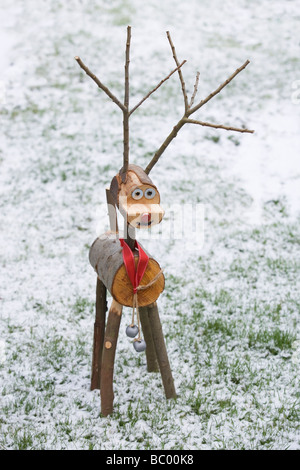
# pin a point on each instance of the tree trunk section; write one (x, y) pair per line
(107, 260)
(108, 358)
(161, 351)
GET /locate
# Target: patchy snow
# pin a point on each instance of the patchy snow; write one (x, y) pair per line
(230, 310)
(273, 170)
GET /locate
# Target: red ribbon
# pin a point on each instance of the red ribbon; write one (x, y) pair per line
(135, 275)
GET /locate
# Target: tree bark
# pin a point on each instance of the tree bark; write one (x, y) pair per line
(99, 328)
(161, 351)
(152, 365)
(108, 358)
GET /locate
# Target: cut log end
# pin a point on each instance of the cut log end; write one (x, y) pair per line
(122, 289)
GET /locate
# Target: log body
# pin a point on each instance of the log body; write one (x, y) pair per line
(107, 260)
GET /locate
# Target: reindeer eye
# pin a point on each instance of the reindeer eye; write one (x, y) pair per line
(137, 194)
(150, 193)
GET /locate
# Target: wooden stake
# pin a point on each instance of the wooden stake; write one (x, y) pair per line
(99, 328)
(152, 365)
(161, 351)
(129, 234)
(108, 358)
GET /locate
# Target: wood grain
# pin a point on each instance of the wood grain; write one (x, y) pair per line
(122, 289)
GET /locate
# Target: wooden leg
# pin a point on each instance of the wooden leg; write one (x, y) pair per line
(161, 351)
(152, 365)
(99, 328)
(108, 358)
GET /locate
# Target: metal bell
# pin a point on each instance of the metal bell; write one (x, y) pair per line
(139, 345)
(132, 331)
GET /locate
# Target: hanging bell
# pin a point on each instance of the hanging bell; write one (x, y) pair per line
(132, 331)
(139, 345)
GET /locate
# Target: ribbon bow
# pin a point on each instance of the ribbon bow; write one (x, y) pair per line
(135, 275)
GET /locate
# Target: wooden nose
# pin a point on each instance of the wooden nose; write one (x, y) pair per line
(145, 218)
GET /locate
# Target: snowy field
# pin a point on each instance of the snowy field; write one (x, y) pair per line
(230, 309)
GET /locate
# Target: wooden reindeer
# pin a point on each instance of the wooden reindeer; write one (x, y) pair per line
(130, 274)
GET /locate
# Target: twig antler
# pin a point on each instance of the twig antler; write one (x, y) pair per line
(126, 110)
(100, 84)
(190, 109)
(125, 107)
(195, 89)
(186, 106)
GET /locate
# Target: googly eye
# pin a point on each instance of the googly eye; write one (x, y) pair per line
(150, 193)
(137, 194)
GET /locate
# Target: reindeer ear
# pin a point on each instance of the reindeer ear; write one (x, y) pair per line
(114, 190)
(140, 173)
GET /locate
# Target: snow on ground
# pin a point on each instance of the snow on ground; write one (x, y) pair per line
(230, 310)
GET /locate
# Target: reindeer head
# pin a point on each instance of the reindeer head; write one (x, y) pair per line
(137, 198)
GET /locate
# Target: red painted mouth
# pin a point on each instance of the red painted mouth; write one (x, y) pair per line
(144, 224)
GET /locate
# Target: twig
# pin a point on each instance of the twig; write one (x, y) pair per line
(126, 110)
(99, 83)
(186, 105)
(214, 93)
(195, 90)
(154, 89)
(127, 56)
(218, 126)
(165, 144)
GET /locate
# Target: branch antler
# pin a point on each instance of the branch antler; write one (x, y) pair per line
(195, 89)
(156, 88)
(126, 110)
(125, 106)
(100, 84)
(186, 106)
(190, 109)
